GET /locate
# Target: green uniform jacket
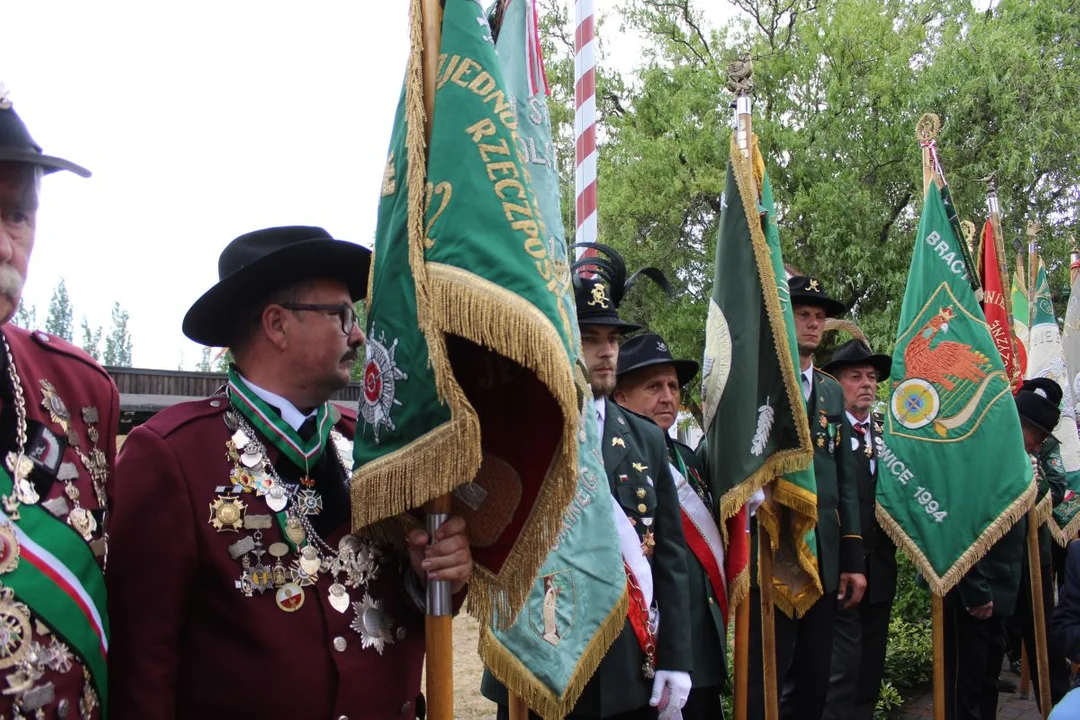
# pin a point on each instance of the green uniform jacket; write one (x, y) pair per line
(618, 685)
(878, 548)
(839, 536)
(707, 631)
(1052, 480)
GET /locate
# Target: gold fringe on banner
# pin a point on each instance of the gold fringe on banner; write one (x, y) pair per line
(941, 584)
(448, 455)
(801, 457)
(521, 681)
(1064, 535)
(491, 316)
(802, 504)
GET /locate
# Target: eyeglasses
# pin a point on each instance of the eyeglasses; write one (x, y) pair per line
(345, 313)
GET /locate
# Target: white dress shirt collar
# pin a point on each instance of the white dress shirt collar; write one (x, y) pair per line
(289, 412)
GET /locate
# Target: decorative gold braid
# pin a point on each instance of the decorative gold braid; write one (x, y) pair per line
(940, 585)
(468, 306)
(519, 679)
(801, 457)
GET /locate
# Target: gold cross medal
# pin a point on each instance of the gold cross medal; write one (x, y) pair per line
(227, 514)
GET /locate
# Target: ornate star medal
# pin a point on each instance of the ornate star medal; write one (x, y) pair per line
(648, 542)
(15, 629)
(372, 624)
(227, 514)
(641, 493)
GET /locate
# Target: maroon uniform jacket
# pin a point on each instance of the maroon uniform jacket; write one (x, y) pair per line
(78, 436)
(187, 643)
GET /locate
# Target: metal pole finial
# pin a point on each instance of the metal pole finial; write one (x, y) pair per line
(928, 128)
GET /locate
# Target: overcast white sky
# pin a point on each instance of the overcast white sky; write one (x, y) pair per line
(200, 121)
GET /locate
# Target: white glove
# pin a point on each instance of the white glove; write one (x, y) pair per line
(669, 692)
(755, 501)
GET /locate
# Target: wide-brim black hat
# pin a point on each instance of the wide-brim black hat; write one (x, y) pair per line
(649, 350)
(255, 265)
(1038, 402)
(596, 304)
(856, 352)
(16, 145)
(809, 291)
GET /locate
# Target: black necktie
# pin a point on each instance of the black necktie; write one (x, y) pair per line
(307, 430)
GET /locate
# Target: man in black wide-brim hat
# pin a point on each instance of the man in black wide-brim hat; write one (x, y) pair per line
(58, 417)
(650, 382)
(234, 513)
(860, 634)
(804, 644)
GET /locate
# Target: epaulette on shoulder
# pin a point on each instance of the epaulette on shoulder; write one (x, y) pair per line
(633, 415)
(181, 414)
(56, 344)
(819, 371)
(345, 412)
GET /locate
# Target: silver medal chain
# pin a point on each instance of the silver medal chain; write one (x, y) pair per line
(20, 398)
(328, 556)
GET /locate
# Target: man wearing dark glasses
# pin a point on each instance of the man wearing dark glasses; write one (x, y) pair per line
(235, 582)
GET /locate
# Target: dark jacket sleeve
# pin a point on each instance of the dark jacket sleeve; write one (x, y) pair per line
(1066, 623)
(1053, 473)
(974, 588)
(851, 544)
(669, 569)
(153, 546)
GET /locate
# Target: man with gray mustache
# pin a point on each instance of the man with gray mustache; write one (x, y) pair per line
(58, 420)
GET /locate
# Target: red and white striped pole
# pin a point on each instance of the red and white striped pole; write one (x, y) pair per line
(585, 123)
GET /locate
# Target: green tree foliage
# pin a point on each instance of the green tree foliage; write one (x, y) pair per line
(206, 361)
(840, 85)
(91, 339)
(59, 322)
(118, 343)
(25, 316)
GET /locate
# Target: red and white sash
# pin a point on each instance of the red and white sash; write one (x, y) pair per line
(639, 577)
(702, 537)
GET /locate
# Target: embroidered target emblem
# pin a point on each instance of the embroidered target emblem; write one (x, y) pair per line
(381, 375)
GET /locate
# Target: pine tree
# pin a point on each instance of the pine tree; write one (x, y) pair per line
(118, 343)
(59, 322)
(91, 342)
(25, 318)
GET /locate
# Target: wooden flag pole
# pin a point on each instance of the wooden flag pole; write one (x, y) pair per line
(438, 625)
(740, 80)
(768, 623)
(1034, 564)
(1074, 260)
(927, 131)
(742, 657)
(1035, 576)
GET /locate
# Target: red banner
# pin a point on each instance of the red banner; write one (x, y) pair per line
(994, 308)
